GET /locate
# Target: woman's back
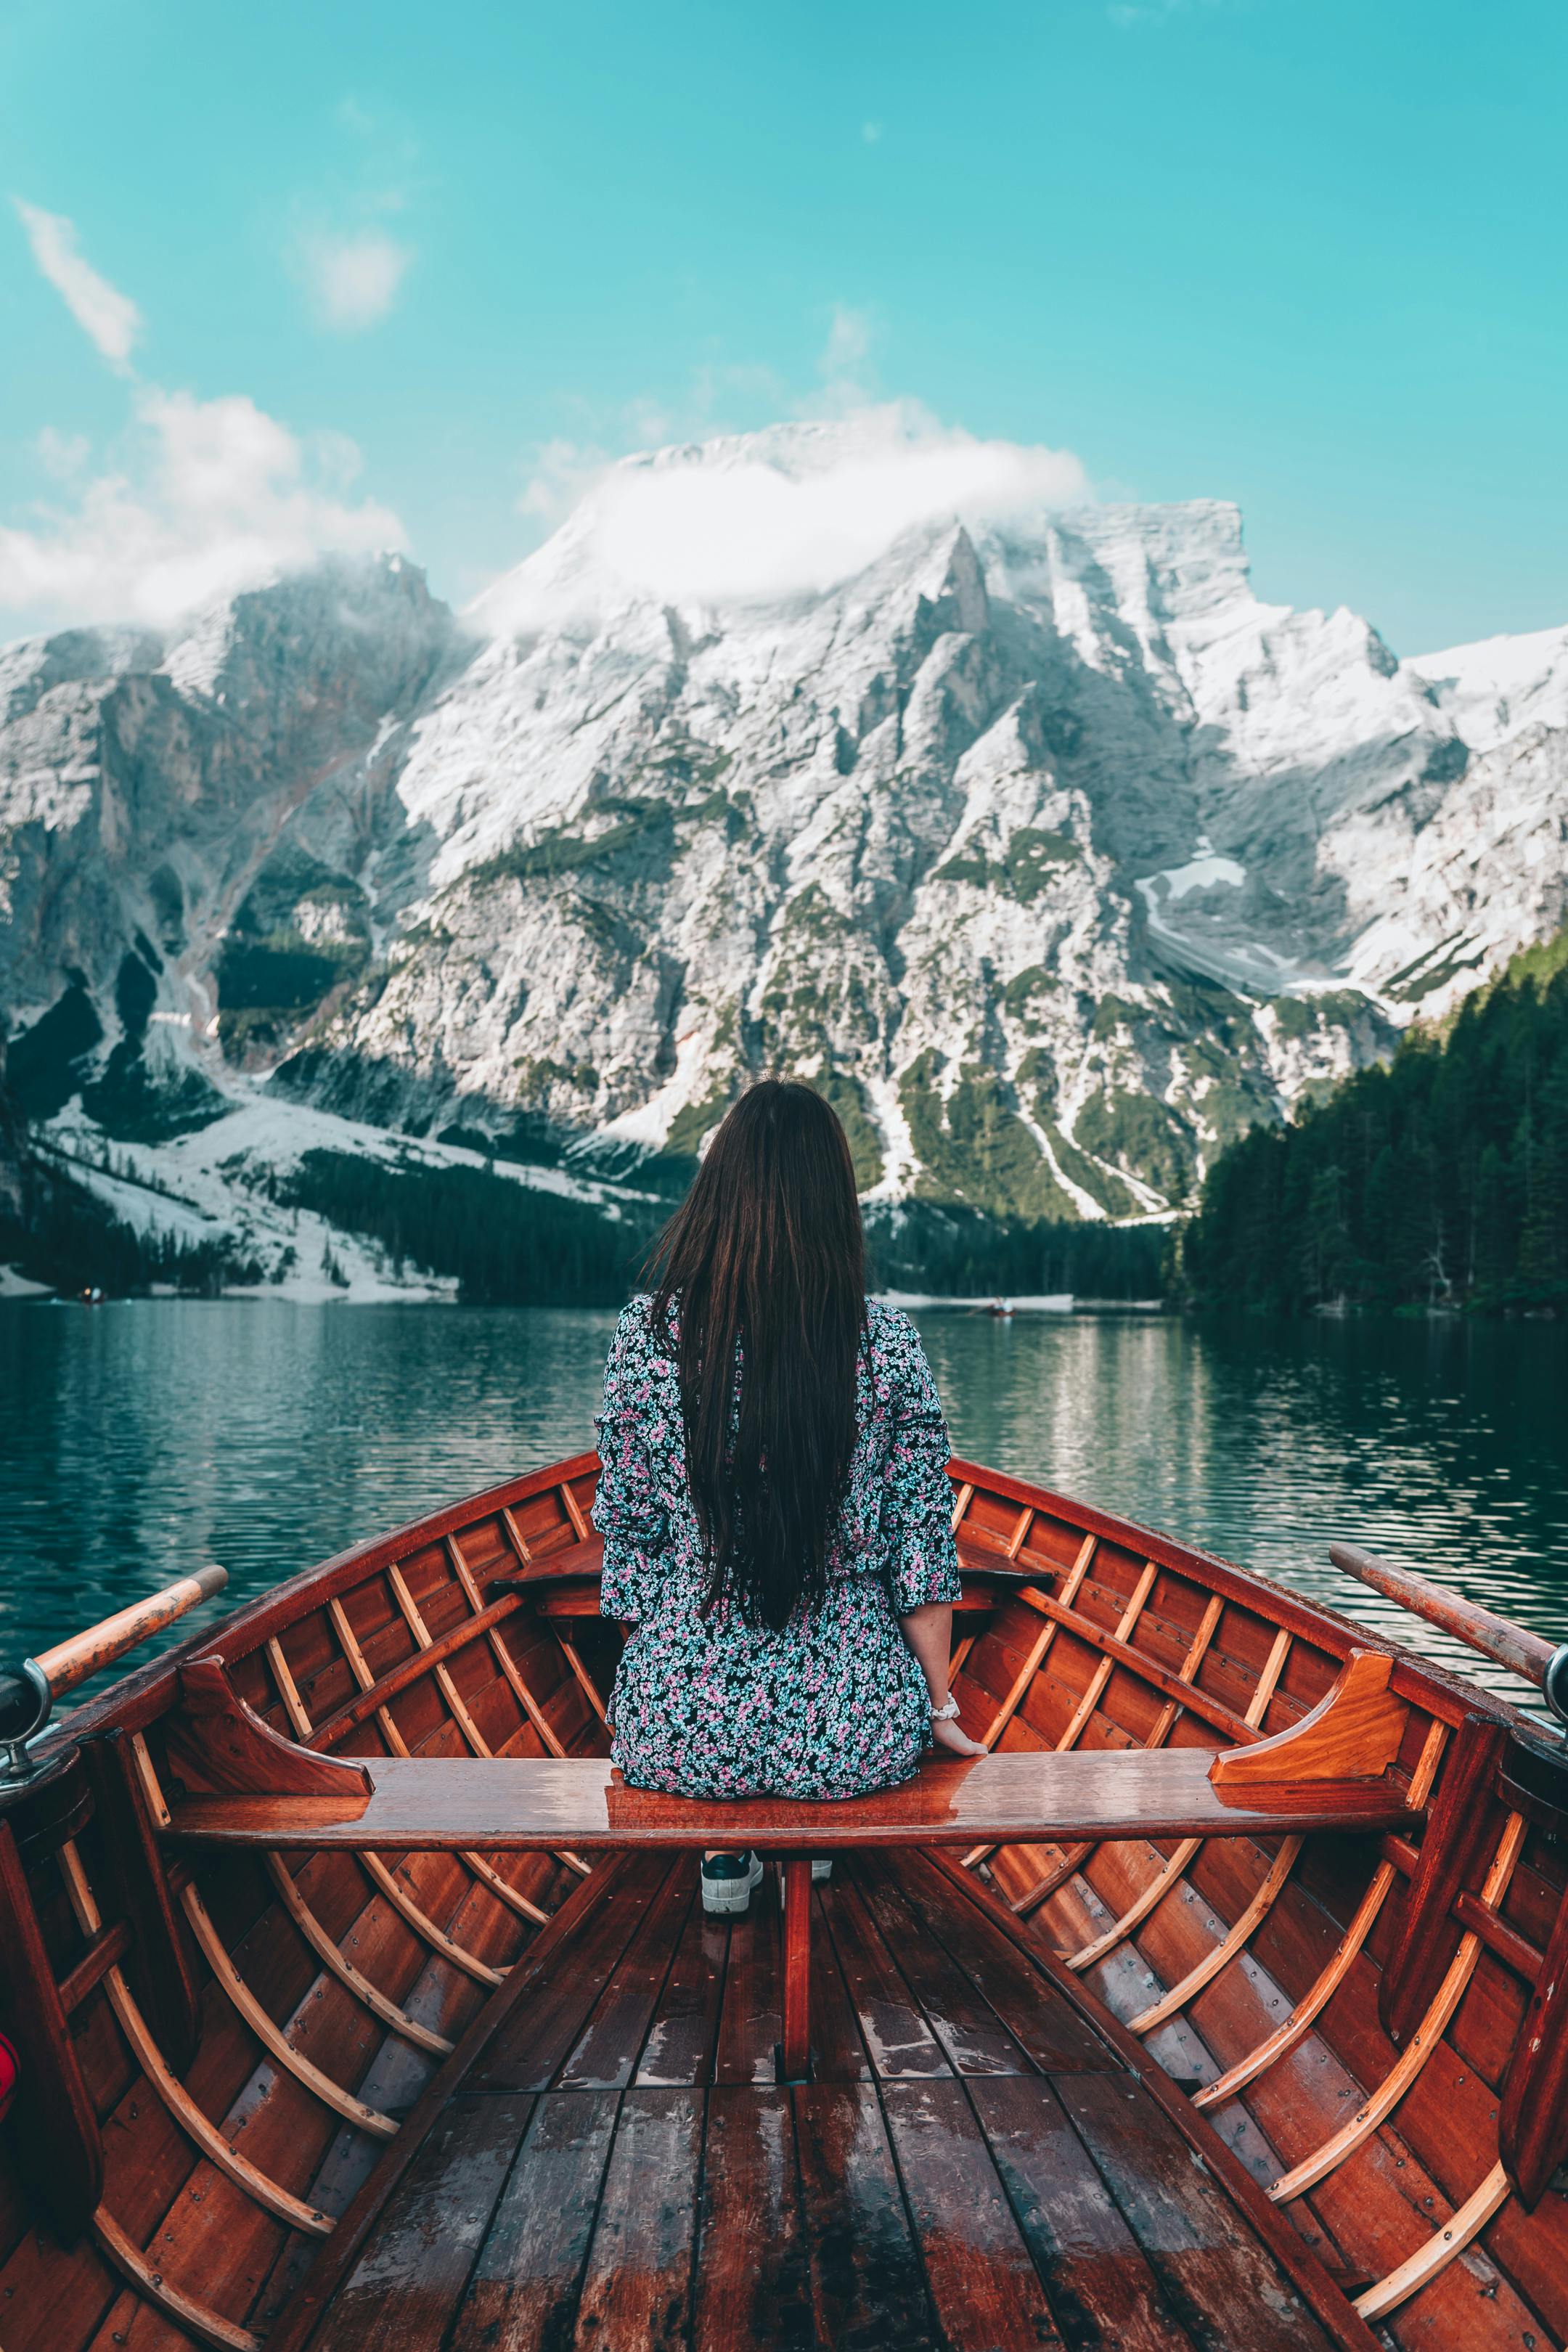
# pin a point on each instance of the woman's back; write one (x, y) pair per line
(710, 1702)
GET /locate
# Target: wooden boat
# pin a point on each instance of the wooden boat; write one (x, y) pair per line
(1258, 2038)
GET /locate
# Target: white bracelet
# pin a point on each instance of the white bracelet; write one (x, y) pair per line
(945, 1714)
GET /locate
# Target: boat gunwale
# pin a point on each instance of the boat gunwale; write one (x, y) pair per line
(1306, 1618)
(139, 1698)
(143, 1697)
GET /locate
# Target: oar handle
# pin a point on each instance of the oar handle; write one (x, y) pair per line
(1495, 1637)
(72, 1662)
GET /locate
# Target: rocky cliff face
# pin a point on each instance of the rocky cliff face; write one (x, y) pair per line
(1053, 856)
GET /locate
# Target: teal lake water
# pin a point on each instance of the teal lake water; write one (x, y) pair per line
(140, 1440)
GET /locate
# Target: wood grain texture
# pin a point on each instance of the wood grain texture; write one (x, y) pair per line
(522, 2292)
(795, 2040)
(1523, 1653)
(159, 1965)
(637, 2289)
(511, 1804)
(1461, 1830)
(407, 2287)
(1352, 1734)
(867, 2281)
(1331, 2310)
(753, 2284)
(1533, 2123)
(82, 1655)
(299, 2318)
(1221, 2281)
(216, 1742)
(981, 2279)
(1100, 2285)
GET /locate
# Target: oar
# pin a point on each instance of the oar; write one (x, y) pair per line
(27, 1695)
(1498, 1638)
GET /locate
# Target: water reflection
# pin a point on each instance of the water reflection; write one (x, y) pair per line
(1444, 1444)
(137, 1441)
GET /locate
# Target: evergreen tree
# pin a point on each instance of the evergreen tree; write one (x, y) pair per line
(1442, 1180)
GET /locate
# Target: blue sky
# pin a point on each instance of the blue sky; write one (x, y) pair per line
(392, 267)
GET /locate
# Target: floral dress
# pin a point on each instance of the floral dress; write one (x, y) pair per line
(835, 1704)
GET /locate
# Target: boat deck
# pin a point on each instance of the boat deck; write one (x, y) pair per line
(972, 2165)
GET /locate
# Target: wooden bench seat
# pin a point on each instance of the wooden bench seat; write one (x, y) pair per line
(505, 1804)
(521, 1805)
(243, 1785)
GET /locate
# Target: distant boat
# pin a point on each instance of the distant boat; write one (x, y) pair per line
(1000, 1307)
(355, 1999)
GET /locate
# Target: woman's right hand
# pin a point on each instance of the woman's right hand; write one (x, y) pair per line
(947, 1735)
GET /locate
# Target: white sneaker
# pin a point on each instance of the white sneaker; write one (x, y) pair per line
(727, 1882)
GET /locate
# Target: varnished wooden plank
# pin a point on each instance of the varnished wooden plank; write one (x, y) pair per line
(270, 2034)
(187, 2315)
(1533, 2129)
(750, 2018)
(1448, 2240)
(1354, 1732)
(521, 2294)
(296, 2321)
(1308, 2276)
(896, 2035)
(509, 1804)
(1214, 2271)
(1100, 2285)
(986, 2291)
(53, 2107)
(606, 2052)
(1424, 2039)
(527, 2052)
(1051, 2033)
(191, 2118)
(408, 2285)
(1285, 2035)
(684, 2026)
(972, 2036)
(158, 1968)
(753, 2282)
(331, 1956)
(1458, 1834)
(867, 2286)
(636, 2288)
(839, 2050)
(1225, 1949)
(794, 2044)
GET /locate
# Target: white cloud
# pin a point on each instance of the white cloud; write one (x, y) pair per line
(563, 472)
(870, 132)
(62, 455)
(354, 280)
(108, 317)
(217, 496)
(848, 343)
(789, 513)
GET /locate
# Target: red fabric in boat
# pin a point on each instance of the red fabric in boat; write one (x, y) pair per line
(9, 2069)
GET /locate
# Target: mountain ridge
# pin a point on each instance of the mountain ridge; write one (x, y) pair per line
(1056, 856)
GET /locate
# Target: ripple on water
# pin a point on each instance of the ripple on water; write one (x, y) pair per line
(142, 1439)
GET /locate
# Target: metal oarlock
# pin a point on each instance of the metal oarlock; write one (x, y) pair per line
(25, 1700)
(1554, 1686)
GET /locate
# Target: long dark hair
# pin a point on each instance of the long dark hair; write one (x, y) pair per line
(765, 1258)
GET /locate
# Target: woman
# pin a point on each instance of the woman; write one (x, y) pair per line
(774, 1500)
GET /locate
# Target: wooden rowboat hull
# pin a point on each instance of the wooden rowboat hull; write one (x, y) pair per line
(332, 2089)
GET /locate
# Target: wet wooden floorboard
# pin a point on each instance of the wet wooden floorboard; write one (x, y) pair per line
(969, 2171)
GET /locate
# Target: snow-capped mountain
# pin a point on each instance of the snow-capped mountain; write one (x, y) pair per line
(1032, 836)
